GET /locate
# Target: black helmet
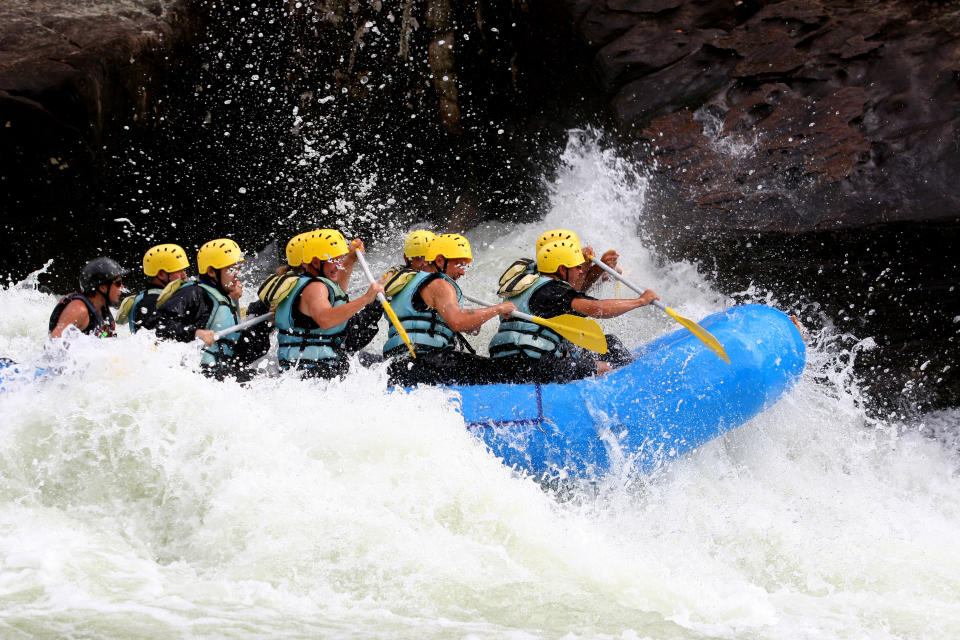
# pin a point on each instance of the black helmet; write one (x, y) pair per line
(98, 271)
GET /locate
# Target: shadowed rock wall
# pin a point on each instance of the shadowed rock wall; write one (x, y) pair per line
(74, 77)
(804, 146)
(136, 122)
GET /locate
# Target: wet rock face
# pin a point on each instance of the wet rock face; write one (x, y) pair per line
(742, 103)
(132, 122)
(781, 135)
(73, 77)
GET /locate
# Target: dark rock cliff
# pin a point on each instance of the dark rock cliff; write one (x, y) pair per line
(138, 121)
(806, 147)
(801, 146)
(74, 78)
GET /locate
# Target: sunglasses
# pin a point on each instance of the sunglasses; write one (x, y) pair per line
(117, 283)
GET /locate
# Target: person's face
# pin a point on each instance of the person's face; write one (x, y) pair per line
(417, 264)
(230, 276)
(456, 267)
(575, 275)
(333, 267)
(114, 291)
(168, 277)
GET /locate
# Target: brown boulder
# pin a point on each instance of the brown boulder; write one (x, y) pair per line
(807, 146)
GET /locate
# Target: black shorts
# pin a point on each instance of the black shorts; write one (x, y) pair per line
(444, 367)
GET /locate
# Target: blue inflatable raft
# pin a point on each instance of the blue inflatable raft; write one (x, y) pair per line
(674, 397)
(14, 375)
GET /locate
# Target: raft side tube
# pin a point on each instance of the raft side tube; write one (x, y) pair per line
(675, 397)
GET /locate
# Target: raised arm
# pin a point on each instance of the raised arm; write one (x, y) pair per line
(349, 262)
(593, 272)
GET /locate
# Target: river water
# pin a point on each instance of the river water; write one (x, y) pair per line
(141, 500)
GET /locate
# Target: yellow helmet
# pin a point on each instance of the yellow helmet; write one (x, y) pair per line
(219, 253)
(417, 243)
(295, 249)
(164, 257)
(450, 246)
(325, 244)
(556, 234)
(561, 253)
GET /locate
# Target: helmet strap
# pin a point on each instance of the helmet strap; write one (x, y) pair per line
(309, 269)
(105, 295)
(219, 280)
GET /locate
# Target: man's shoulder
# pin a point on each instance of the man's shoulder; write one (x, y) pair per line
(436, 282)
(316, 286)
(554, 288)
(188, 294)
(78, 302)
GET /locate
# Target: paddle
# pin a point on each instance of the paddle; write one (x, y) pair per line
(702, 334)
(582, 332)
(249, 322)
(394, 320)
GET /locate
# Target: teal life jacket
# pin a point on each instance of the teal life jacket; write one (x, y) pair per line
(136, 304)
(225, 314)
(521, 337)
(308, 345)
(426, 329)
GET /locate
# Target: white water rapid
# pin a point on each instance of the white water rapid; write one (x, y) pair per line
(139, 499)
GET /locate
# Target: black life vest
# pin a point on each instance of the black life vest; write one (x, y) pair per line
(100, 324)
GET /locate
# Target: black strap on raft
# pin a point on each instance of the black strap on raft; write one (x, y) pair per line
(463, 343)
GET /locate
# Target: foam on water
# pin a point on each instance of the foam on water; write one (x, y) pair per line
(139, 499)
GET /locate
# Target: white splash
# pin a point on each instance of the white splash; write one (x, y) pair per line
(139, 499)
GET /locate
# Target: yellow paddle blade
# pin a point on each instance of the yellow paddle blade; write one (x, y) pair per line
(702, 334)
(582, 332)
(395, 321)
(123, 313)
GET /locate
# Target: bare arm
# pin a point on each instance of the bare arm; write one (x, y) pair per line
(441, 296)
(349, 262)
(315, 302)
(593, 273)
(613, 307)
(74, 314)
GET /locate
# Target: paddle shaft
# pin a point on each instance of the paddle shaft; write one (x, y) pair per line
(582, 332)
(391, 315)
(613, 272)
(701, 334)
(515, 314)
(367, 272)
(249, 322)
